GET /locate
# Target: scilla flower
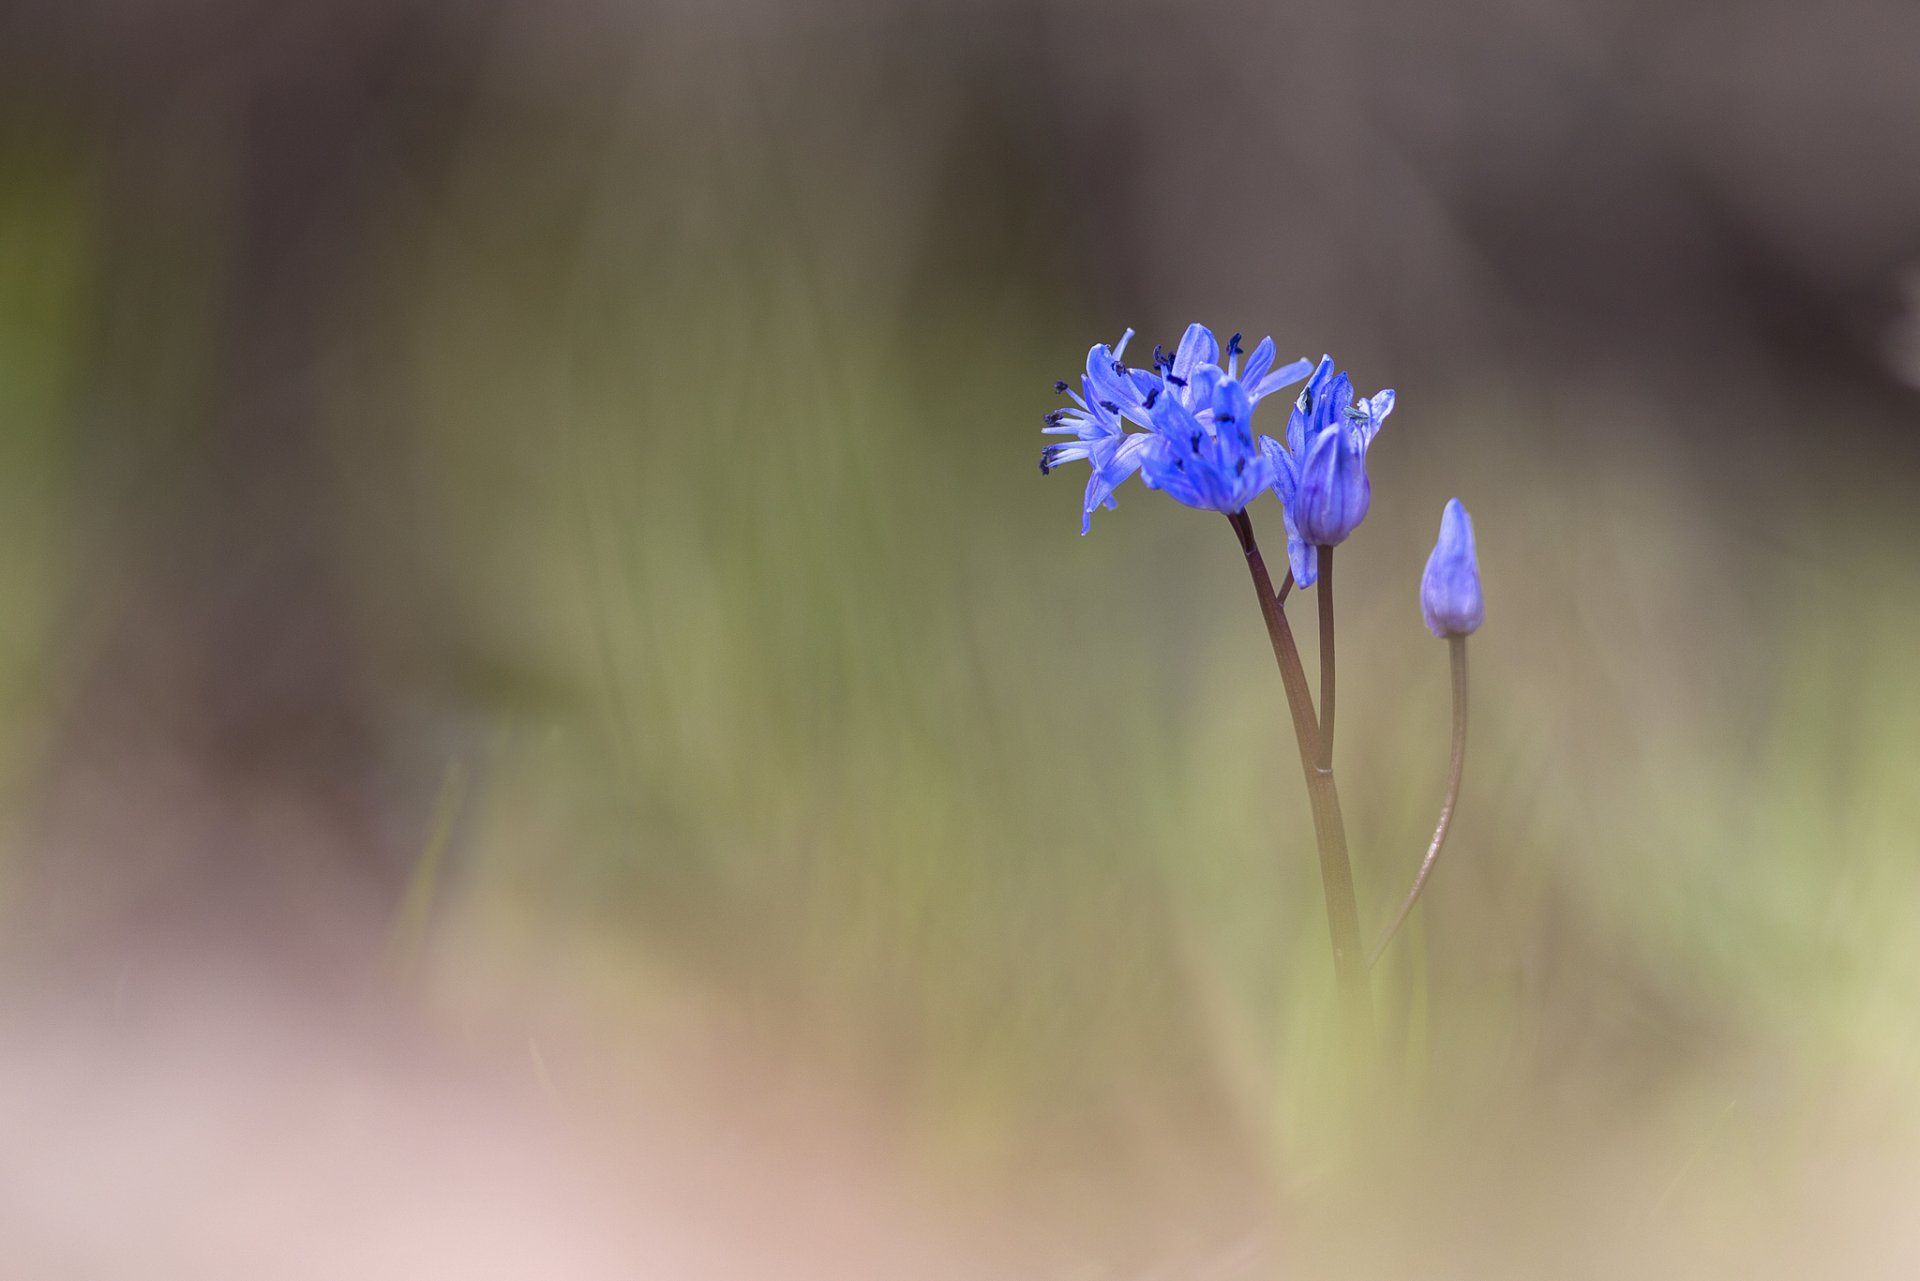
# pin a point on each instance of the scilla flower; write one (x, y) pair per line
(1321, 475)
(1450, 589)
(1198, 445)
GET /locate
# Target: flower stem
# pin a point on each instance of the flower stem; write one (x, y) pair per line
(1326, 658)
(1457, 653)
(1336, 872)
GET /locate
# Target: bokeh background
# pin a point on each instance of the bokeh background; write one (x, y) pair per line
(552, 727)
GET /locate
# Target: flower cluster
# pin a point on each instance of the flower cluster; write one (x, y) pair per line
(1196, 412)
(1194, 409)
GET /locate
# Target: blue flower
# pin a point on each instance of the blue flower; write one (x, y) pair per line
(1321, 474)
(1450, 589)
(1108, 392)
(1198, 444)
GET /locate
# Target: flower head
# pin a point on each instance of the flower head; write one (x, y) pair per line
(1197, 411)
(1321, 475)
(1450, 589)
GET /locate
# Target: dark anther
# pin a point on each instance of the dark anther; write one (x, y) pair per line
(1153, 394)
(1053, 419)
(1047, 456)
(1160, 357)
(1061, 387)
(1120, 367)
(1178, 382)
(1240, 468)
(1233, 345)
(1195, 442)
(1109, 406)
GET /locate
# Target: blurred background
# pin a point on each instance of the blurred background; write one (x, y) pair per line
(552, 727)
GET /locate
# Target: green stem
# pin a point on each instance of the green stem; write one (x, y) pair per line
(1336, 872)
(1457, 653)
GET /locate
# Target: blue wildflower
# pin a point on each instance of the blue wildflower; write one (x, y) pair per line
(1321, 474)
(1198, 445)
(1450, 589)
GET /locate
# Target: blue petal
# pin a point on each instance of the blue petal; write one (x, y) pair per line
(1198, 394)
(1302, 424)
(1279, 379)
(1286, 475)
(1175, 421)
(1113, 461)
(1232, 411)
(1258, 363)
(1302, 559)
(1374, 413)
(1197, 347)
(1108, 386)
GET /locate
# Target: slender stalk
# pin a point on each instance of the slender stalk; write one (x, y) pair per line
(1336, 872)
(1326, 658)
(1457, 653)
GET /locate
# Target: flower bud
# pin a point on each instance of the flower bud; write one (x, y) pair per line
(1333, 494)
(1450, 589)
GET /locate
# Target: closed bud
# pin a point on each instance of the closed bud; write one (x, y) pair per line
(1333, 494)
(1450, 589)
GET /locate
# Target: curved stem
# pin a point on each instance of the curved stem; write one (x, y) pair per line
(1326, 658)
(1457, 653)
(1329, 830)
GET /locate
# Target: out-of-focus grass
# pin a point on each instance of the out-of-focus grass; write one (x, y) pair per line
(806, 716)
(45, 263)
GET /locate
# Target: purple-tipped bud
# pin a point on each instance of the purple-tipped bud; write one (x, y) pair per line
(1450, 589)
(1334, 494)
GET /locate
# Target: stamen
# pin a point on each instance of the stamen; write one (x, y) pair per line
(1060, 387)
(1153, 394)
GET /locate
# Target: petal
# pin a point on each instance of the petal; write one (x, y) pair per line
(1301, 424)
(1113, 461)
(1198, 394)
(1175, 421)
(1107, 385)
(1258, 363)
(1286, 476)
(1279, 379)
(1302, 559)
(1377, 409)
(1232, 411)
(1197, 347)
